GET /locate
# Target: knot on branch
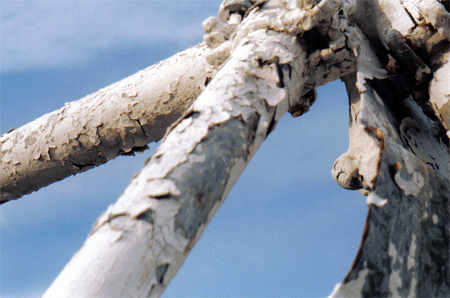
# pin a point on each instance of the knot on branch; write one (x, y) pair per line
(216, 31)
(346, 173)
(231, 11)
(238, 18)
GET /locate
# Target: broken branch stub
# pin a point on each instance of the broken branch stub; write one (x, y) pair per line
(117, 120)
(230, 7)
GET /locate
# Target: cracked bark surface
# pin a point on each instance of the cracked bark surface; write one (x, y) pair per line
(169, 203)
(405, 247)
(399, 156)
(393, 57)
(117, 120)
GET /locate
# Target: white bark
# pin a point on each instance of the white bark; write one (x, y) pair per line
(139, 243)
(119, 119)
(440, 90)
(396, 71)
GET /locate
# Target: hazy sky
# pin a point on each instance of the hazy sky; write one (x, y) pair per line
(286, 230)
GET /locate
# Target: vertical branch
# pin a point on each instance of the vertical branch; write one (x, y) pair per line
(399, 154)
(406, 247)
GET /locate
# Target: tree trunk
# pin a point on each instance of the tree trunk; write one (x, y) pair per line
(399, 155)
(405, 248)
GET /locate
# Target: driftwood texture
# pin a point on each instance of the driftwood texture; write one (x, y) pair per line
(393, 57)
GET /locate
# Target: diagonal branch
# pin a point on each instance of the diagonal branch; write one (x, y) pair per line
(117, 120)
(141, 241)
(168, 205)
(398, 153)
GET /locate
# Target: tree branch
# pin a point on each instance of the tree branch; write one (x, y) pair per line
(405, 250)
(140, 242)
(117, 120)
(399, 153)
(163, 212)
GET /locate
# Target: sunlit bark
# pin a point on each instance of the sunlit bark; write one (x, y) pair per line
(117, 120)
(394, 59)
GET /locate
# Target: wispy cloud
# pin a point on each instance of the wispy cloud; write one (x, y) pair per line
(40, 34)
(28, 294)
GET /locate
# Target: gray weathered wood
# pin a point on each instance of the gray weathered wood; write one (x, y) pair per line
(399, 154)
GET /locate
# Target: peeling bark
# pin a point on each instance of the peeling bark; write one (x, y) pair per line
(143, 239)
(170, 202)
(399, 155)
(405, 250)
(117, 120)
(393, 57)
(440, 90)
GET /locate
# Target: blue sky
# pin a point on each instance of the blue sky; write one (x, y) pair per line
(286, 230)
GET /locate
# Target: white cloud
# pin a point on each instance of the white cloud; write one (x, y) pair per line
(45, 33)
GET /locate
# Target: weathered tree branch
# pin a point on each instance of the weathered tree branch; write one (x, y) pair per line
(139, 243)
(117, 120)
(405, 250)
(399, 154)
(395, 65)
(162, 214)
